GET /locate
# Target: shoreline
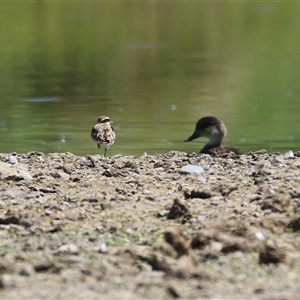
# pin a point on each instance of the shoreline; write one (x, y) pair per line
(74, 226)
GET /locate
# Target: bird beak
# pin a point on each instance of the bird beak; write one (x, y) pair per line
(195, 135)
(111, 122)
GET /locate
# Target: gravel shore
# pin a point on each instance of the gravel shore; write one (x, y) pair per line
(168, 226)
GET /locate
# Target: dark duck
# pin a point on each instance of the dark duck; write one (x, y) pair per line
(215, 130)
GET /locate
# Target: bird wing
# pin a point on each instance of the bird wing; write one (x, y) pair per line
(103, 133)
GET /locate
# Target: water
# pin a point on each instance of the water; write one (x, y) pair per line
(154, 69)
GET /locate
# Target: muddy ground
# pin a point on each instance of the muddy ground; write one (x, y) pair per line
(136, 228)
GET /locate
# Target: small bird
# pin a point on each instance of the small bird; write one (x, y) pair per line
(103, 133)
(215, 130)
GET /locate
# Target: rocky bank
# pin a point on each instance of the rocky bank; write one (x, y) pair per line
(142, 227)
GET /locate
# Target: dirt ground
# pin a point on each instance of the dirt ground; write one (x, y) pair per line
(136, 228)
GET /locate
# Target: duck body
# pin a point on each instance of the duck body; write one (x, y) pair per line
(215, 130)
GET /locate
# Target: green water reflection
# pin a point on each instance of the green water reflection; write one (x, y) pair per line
(154, 68)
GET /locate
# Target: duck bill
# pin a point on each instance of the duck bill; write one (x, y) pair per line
(195, 135)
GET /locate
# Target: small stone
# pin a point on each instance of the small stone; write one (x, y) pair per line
(211, 170)
(146, 191)
(102, 247)
(68, 248)
(43, 266)
(279, 159)
(64, 206)
(102, 244)
(130, 230)
(13, 159)
(47, 190)
(173, 292)
(105, 206)
(161, 213)
(191, 169)
(27, 270)
(73, 259)
(259, 236)
(202, 194)
(48, 212)
(259, 291)
(202, 179)
(296, 205)
(201, 218)
(7, 281)
(288, 154)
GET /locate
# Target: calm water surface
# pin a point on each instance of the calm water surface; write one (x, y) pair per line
(154, 68)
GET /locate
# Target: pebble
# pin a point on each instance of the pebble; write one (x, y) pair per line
(102, 247)
(130, 230)
(68, 248)
(64, 206)
(259, 236)
(7, 281)
(202, 179)
(191, 169)
(13, 159)
(146, 191)
(26, 270)
(288, 154)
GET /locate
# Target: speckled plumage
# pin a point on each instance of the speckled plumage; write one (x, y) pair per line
(215, 130)
(103, 133)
